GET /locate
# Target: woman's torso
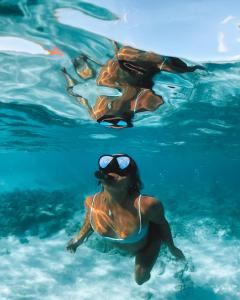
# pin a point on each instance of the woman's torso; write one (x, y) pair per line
(132, 101)
(122, 225)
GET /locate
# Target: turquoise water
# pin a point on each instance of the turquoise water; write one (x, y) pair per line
(187, 152)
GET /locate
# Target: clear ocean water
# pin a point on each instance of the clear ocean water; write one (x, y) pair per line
(187, 152)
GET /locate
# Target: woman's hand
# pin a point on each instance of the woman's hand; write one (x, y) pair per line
(177, 253)
(73, 244)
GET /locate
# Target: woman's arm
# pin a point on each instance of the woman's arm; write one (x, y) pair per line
(85, 231)
(155, 214)
(168, 239)
(176, 65)
(150, 59)
(71, 83)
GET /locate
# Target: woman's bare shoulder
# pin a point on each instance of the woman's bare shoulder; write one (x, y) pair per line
(88, 201)
(149, 202)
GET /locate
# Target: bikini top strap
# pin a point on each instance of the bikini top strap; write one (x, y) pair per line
(162, 64)
(136, 101)
(139, 213)
(91, 210)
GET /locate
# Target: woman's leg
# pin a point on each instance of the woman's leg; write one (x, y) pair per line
(146, 257)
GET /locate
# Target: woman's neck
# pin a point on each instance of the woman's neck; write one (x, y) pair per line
(115, 195)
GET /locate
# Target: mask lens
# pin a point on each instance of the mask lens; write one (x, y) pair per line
(123, 162)
(105, 123)
(122, 123)
(104, 161)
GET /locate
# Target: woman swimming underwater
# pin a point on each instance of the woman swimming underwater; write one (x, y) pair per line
(121, 215)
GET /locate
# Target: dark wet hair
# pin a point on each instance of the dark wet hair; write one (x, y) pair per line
(136, 184)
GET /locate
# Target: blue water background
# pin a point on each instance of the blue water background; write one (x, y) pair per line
(187, 152)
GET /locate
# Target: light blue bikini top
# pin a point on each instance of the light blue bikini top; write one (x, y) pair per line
(132, 239)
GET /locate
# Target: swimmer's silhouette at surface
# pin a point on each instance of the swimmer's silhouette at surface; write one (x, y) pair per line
(121, 215)
(131, 72)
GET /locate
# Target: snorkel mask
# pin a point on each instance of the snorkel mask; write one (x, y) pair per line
(120, 164)
(115, 122)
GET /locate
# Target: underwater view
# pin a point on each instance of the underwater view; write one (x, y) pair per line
(85, 80)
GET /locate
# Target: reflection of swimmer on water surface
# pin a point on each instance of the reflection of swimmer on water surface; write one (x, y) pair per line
(122, 216)
(130, 71)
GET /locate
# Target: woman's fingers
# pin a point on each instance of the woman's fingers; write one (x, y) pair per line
(72, 249)
(71, 246)
(180, 255)
(177, 253)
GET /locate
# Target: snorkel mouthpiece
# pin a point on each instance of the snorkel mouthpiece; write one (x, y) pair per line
(102, 175)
